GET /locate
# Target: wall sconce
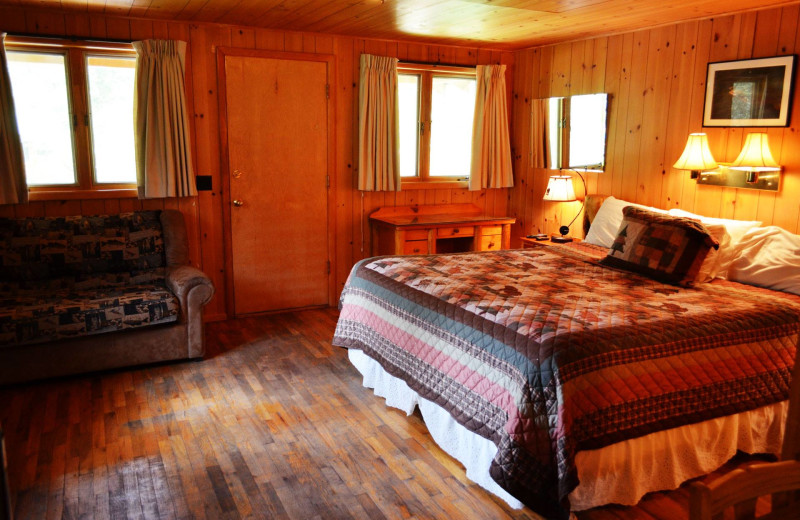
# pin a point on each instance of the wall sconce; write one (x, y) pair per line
(696, 156)
(755, 158)
(560, 189)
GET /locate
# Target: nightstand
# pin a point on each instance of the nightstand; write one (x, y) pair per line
(530, 242)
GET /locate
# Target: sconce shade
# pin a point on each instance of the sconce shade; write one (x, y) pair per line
(755, 155)
(560, 189)
(696, 156)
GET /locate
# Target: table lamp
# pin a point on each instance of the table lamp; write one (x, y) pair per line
(560, 189)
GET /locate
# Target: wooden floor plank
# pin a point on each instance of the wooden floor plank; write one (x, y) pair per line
(273, 423)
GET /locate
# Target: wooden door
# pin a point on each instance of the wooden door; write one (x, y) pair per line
(277, 131)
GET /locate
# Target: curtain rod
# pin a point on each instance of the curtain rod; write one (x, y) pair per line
(63, 37)
(438, 64)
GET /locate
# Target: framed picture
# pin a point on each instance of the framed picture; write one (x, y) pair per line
(749, 92)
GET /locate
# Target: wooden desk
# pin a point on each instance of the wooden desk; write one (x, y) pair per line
(448, 228)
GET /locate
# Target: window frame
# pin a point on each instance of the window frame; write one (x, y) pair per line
(426, 73)
(76, 54)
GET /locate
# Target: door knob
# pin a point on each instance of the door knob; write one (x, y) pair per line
(238, 203)
(236, 174)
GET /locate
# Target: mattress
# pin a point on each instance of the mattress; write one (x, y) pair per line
(546, 354)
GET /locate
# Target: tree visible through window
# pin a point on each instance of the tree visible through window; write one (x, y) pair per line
(74, 106)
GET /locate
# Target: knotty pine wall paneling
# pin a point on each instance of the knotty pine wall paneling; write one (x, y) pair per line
(204, 213)
(656, 81)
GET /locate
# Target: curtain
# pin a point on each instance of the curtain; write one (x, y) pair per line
(540, 136)
(13, 188)
(161, 126)
(491, 146)
(378, 125)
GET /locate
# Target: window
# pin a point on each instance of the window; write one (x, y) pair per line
(436, 106)
(74, 105)
(577, 129)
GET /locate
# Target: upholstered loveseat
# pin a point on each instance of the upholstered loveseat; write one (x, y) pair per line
(87, 293)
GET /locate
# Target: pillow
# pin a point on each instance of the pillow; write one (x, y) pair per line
(605, 225)
(770, 257)
(713, 262)
(667, 249)
(736, 230)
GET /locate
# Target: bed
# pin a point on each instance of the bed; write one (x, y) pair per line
(561, 383)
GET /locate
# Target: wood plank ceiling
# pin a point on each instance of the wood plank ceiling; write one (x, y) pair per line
(508, 24)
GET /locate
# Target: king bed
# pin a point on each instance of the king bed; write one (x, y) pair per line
(562, 382)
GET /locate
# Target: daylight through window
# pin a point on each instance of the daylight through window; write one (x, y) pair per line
(436, 106)
(74, 106)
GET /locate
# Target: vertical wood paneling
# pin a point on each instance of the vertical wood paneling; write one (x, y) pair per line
(203, 214)
(656, 79)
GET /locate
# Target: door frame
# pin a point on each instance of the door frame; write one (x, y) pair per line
(225, 174)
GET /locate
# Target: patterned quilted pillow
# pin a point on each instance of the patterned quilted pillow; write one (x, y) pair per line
(667, 249)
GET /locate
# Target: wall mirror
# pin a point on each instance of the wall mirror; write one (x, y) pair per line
(569, 132)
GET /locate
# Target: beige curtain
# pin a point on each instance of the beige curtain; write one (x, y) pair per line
(161, 125)
(491, 146)
(539, 133)
(378, 125)
(13, 188)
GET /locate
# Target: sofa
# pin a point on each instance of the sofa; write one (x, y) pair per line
(87, 293)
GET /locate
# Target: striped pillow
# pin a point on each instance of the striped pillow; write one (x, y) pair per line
(667, 249)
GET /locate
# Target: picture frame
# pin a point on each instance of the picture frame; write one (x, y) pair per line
(753, 93)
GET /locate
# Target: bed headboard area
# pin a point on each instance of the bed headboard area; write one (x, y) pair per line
(591, 205)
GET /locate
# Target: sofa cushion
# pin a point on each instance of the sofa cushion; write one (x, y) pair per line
(80, 247)
(29, 316)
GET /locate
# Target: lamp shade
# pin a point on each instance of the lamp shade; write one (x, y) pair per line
(755, 155)
(560, 189)
(696, 156)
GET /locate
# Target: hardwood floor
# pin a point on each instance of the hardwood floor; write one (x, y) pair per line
(274, 423)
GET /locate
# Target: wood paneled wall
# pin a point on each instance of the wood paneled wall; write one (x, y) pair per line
(204, 213)
(656, 79)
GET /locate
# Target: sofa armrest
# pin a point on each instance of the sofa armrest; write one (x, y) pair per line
(183, 278)
(193, 289)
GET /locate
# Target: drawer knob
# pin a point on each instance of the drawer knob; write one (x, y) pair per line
(455, 230)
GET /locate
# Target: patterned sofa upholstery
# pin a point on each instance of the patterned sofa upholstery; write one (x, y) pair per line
(86, 293)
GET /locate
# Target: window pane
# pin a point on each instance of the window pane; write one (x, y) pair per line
(452, 111)
(554, 115)
(39, 85)
(408, 94)
(111, 106)
(587, 131)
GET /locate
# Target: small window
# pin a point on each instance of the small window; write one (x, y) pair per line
(74, 106)
(577, 129)
(436, 106)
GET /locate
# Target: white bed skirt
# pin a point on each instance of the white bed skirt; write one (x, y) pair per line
(621, 473)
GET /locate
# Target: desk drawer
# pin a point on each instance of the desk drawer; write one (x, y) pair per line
(416, 234)
(455, 231)
(415, 247)
(491, 230)
(491, 243)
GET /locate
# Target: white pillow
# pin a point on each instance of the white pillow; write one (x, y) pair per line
(736, 230)
(770, 257)
(711, 266)
(606, 223)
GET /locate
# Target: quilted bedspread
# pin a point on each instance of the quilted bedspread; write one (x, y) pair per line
(545, 352)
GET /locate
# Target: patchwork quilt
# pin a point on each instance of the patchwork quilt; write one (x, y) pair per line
(546, 352)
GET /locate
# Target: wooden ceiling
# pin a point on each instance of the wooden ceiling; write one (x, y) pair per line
(509, 24)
